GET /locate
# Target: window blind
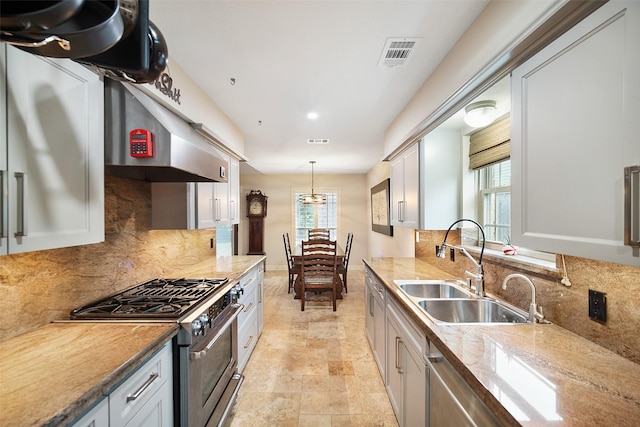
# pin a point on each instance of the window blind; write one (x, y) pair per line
(490, 144)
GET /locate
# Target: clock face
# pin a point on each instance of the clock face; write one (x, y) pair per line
(255, 207)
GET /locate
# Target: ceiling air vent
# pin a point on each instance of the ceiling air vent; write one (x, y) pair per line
(317, 141)
(397, 51)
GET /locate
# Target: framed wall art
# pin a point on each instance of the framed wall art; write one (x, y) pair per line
(380, 218)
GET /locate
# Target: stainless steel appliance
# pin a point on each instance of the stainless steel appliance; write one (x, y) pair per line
(205, 349)
(179, 153)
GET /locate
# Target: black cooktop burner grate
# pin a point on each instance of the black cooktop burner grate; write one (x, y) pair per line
(154, 299)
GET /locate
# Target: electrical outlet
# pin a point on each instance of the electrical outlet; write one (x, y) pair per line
(597, 306)
(452, 254)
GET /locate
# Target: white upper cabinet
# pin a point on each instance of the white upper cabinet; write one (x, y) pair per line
(54, 190)
(3, 149)
(425, 183)
(439, 179)
(201, 205)
(234, 191)
(405, 177)
(575, 108)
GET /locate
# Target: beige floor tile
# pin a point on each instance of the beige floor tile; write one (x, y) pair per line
(312, 368)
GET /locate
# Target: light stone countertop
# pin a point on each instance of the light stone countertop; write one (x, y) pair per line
(50, 376)
(527, 374)
(53, 374)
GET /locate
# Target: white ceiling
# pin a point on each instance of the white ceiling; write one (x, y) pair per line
(292, 57)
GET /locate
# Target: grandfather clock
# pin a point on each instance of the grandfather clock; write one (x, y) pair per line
(256, 211)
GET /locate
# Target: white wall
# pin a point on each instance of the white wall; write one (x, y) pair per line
(353, 210)
(500, 25)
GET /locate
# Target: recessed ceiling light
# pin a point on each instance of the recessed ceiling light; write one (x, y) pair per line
(312, 115)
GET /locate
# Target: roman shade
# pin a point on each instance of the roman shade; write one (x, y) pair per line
(490, 144)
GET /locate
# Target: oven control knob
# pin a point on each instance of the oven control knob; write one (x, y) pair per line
(239, 289)
(197, 328)
(206, 321)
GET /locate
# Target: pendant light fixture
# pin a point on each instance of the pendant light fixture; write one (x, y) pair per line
(313, 198)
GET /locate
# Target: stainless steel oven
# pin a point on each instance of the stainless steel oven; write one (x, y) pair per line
(205, 349)
(208, 361)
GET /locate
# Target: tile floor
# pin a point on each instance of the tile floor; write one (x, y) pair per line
(312, 368)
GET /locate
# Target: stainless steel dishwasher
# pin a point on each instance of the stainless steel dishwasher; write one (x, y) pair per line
(451, 401)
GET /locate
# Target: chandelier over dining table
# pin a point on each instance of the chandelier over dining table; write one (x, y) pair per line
(313, 198)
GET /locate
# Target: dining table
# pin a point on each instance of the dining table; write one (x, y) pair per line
(297, 263)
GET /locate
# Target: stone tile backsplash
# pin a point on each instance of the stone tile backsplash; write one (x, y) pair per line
(38, 287)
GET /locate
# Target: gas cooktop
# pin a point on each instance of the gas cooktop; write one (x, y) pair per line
(154, 299)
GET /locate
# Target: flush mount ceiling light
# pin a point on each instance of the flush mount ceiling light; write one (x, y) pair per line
(481, 113)
(313, 198)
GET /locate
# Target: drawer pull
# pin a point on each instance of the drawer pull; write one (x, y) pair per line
(145, 386)
(248, 307)
(248, 342)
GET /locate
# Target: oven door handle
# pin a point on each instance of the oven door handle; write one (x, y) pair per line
(194, 355)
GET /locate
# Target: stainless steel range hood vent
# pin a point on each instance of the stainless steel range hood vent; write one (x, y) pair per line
(180, 153)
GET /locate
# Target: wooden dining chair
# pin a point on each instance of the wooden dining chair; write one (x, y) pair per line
(291, 266)
(319, 233)
(342, 267)
(319, 269)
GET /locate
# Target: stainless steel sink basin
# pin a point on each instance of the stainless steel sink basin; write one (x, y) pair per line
(471, 311)
(433, 289)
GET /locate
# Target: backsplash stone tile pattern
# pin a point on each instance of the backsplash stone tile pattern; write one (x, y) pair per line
(564, 306)
(38, 287)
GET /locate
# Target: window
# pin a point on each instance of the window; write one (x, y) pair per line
(494, 200)
(316, 216)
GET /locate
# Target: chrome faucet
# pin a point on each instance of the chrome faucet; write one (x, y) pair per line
(535, 315)
(479, 274)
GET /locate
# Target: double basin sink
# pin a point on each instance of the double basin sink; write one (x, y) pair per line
(448, 301)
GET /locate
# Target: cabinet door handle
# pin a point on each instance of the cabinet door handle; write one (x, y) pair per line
(398, 344)
(371, 304)
(22, 199)
(248, 342)
(3, 211)
(144, 386)
(632, 206)
(217, 209)
(232, 204)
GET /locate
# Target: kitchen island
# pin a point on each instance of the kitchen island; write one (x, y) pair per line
(526, 374)
(55, 373)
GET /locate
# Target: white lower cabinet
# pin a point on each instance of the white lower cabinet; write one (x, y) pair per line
(260, 277)
(144, 399)
(406, 384)
(98, 416)
(375, 319)
(249, 320)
